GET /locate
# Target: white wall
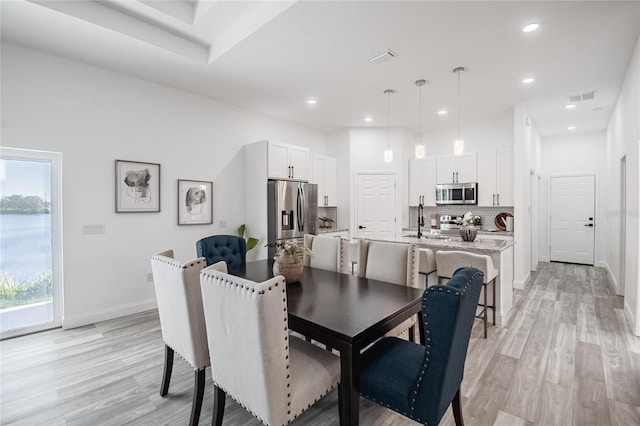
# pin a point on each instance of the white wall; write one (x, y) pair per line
(490, 134)
(338, 147)
(526, 150)
(94, 116)
(576, 154)
(623, 139)
(366, 154)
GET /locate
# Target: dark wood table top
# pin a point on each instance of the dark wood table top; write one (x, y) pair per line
(346, 307)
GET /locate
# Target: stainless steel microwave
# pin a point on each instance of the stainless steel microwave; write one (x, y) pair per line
(457, 193)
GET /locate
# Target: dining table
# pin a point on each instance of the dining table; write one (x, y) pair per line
(344, 312)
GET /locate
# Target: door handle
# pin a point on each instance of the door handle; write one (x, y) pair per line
(453, 177)
(289, 172)
(293, 172)
(589, 225)
(498, 197)
(361, 227)
(457, 177)
(494, 199)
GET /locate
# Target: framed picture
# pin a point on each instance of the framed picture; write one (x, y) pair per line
(137, 187)
(195, 202)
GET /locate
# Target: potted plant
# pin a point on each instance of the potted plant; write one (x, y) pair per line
(468, 230)
(288, 260)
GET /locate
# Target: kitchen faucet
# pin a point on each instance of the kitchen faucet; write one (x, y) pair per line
(420, 219)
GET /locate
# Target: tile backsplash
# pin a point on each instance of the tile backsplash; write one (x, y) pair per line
(487, 214)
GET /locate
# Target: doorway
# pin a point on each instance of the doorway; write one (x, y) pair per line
(30, 241)
(623, 224)
(375, 205)
(572, 222)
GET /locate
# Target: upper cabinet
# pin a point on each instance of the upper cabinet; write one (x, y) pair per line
(324, 173)
(457, 168)
(422, 182)
(288, 161)
(495, 177)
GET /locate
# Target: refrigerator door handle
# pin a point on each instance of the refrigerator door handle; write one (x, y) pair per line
(301, 209)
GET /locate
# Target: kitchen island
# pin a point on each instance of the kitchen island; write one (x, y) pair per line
(501, 252)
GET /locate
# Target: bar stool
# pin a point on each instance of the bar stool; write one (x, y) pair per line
(427, 264)
(447, 262)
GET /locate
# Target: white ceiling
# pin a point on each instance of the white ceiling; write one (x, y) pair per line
(270, 56)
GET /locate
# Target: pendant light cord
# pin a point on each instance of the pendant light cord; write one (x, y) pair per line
(421, 114)
(388, 117)
(459, 104)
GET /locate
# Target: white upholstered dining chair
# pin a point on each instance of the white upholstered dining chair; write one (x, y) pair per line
(271, 375)
(179, 299)
(447, 262)
(396, 263)
(328, 253)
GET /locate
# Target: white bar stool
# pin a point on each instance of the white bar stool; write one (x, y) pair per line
(447, 262)
(427, 264)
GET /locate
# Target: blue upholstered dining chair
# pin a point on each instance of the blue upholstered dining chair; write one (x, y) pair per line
(418, 381)
(230, 248)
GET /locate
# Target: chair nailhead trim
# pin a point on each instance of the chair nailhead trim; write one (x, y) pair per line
(427, 332)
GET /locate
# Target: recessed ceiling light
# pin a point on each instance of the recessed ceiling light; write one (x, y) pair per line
(368, 119)
(528, 80)
(312, 101)
(531, 27)
(570, 106)
(571, 128)
(442, 112)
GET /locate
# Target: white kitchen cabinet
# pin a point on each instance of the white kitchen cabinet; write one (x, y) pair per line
(324, 173)
(288, 161)
(457, 168)
(495, 177)
(422, 182)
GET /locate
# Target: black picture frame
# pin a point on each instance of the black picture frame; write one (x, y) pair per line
(137, 187)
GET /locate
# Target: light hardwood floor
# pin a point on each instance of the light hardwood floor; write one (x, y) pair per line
(566, 357)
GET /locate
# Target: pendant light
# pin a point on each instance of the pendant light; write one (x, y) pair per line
(388, 154)
(419, 149)
(458, 144)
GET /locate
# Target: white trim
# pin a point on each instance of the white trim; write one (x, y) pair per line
(56, 226)
(631, 319)
(522, 284)
(610, 276)
(108, 313)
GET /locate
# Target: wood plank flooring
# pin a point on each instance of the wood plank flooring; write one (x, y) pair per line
(567, 357)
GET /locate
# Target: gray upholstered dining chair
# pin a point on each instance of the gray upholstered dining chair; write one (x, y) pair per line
(420, 382)
(177, 286)
(229, 248)
(273, 376)
(447, 262)
(328, 253)
(396, 263)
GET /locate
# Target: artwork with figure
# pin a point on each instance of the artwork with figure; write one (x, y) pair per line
(138, 182)
(194, 202)
(137, 187)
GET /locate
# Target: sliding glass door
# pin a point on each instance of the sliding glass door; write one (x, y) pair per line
(30, 241)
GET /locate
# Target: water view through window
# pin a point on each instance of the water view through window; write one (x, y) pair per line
(26, 282)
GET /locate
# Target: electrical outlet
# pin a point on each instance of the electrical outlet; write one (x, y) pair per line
(149, 277)
(223, 224)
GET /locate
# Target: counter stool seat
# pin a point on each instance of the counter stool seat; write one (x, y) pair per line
(447, 262)
(427, 264)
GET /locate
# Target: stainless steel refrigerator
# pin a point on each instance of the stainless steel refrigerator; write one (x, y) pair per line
(293, 210)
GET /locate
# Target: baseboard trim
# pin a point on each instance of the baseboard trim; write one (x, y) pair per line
(73, 321)
(544, 259)
(632, 319)
(523, 283)
(610, 277)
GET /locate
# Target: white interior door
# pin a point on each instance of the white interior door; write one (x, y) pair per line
(376, 206)
(572, 222)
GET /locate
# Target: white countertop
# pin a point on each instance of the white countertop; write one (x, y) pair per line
(455, 243)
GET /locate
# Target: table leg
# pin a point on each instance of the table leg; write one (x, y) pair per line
(350, 382)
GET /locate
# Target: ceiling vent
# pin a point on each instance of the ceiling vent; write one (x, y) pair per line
(586, 96)
(385, 55)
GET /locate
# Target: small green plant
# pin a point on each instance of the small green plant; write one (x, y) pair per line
(250, 241)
